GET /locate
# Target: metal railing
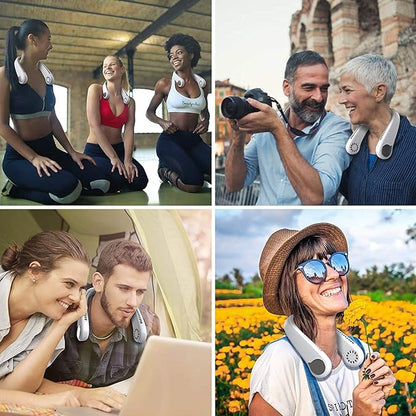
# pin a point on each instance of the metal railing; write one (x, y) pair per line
(247, 196)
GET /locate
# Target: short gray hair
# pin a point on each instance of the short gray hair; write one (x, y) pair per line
(372, 69)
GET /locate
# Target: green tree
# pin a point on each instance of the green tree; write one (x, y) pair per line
(238, 277)
(256, 280)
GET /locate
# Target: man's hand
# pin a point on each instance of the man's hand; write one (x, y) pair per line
(101, 398)
(264, 120)
(238, 137)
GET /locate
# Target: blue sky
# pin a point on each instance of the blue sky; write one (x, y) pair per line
(376, 236)
(251, 42)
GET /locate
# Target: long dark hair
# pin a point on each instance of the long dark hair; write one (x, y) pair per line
(16, 39)
(288, 291)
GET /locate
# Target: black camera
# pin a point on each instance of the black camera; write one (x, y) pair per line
(237, 107)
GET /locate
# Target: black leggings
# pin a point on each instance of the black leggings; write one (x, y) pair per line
(117, 181)
(186, 154)
(62, 187)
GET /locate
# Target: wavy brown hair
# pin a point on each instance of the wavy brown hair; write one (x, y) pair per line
(124, 252)
(47, 248)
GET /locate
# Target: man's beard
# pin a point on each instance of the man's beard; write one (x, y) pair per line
(121, 323)
(302, 112)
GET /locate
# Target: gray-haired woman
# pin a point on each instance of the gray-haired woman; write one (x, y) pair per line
(382, 170)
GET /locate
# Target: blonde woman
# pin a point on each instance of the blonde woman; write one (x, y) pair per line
(109, 109)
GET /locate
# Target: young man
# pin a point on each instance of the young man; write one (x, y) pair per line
(300, 162)
(106, 347)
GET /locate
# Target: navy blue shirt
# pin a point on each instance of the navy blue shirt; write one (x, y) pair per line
(25, 102)
(387, 182)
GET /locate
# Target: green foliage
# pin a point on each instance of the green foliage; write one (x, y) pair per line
(395, 282)
(253, 291)
(219, 284)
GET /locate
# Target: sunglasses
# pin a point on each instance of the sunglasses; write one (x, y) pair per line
(315, 272)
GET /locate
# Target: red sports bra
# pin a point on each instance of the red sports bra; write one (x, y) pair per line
(109, 119)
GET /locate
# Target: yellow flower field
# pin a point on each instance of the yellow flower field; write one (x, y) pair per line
(243, 328)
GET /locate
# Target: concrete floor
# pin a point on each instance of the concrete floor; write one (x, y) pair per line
(156, 192)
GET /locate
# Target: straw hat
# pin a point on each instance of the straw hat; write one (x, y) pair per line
(278, 248)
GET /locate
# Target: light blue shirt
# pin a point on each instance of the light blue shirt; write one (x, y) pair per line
(324, 150)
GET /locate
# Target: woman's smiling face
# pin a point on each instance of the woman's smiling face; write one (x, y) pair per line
(60, 289)
(326, 298)
(356, 99)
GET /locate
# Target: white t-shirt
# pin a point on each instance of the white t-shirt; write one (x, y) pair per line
(33, 333)
(279, 377)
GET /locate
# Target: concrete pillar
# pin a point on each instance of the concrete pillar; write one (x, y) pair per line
(394, 16)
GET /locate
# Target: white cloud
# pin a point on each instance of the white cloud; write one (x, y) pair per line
(376, 236)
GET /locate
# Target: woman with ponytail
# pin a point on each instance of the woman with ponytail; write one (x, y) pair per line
(109, 108)
(41, 294)
(37, 170)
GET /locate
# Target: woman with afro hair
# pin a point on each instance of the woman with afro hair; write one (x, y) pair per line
(184, 158)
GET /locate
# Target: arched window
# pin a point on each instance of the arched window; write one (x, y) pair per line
(61, 106)
(321, 35)
(142, 99)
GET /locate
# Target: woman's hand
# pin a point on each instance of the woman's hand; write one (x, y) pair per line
(75, 311)
(131, 170)
(201, 127)
(118, 164)
(168, 126)
(102, 398)
(43, 164)
(379, 372)
(52, 401)
(78, 157)
(369, 397)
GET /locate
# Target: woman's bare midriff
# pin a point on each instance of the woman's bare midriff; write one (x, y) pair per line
(184, 121)
(32, 129)
(112, 134)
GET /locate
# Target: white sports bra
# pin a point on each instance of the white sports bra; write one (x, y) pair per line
(178, 103)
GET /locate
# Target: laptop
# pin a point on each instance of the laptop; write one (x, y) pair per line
(173, 378)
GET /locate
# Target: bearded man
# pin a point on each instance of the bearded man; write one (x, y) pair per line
(299, 156)
(105, 345)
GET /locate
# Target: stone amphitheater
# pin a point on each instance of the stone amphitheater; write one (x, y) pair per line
(342, 29)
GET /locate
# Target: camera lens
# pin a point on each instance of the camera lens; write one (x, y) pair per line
(235, 107)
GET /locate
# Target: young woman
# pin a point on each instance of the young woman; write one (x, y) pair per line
(304, 274)
(383, 146)
(36, 168)
(42, 293)
(184, 159)
(109, 108)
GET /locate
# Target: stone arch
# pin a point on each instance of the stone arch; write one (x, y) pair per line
(321, 31)
(302, 37)
(369, 19)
